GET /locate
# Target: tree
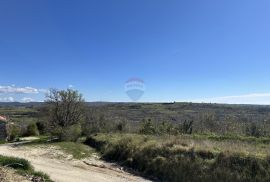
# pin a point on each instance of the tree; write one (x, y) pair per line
(66, 113)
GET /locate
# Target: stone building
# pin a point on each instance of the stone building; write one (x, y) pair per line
(3, 128)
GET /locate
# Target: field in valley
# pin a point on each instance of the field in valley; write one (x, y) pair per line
(162, 142)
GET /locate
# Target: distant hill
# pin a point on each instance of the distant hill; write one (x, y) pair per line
(20, 104)
(218, 117)
(175, 112)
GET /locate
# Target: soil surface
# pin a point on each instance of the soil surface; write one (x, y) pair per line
(63, 168)
(9, 175)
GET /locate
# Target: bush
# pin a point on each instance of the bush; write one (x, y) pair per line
(254, 130)
(15, 163)
(32, 130)
(166, 128)
(187, 127)
(70, 133)
(121, 126)
(42, 127)
(23, 167)
(147, 127)
(13, 132)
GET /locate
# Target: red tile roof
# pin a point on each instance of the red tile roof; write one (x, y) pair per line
(3, 118)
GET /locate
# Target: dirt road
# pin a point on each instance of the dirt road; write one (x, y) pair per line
(62, 168)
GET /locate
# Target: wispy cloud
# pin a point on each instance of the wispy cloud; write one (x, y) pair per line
(27, 99)
(12, 89)
(44, 91)
(7, 99)
(70, 86)
(253, 98)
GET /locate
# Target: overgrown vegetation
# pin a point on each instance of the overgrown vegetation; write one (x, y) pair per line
(174, 159)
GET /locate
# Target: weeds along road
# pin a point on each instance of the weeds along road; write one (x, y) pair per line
(62, 168)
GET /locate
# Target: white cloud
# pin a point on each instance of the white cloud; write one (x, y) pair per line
(253, 98)
(27, 99)
(70, 86)
(12, 89)
(18, 90)
(7, 99)
(43, 91)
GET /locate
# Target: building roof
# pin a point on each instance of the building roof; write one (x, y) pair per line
(3, 118)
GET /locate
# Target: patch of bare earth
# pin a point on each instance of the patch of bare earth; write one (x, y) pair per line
(9, 175)
(63, 168)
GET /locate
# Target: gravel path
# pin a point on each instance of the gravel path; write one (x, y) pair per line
(62, 168)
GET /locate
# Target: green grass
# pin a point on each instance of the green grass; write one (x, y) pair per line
(250, 139)
(22, 167)
(183, 158)
(77, 150)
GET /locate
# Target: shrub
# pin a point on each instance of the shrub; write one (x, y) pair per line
(13, 132)
(42, 127)
(70, 133)
(32, 130)
(187, 127)
(254, 130)
(147, 127)
(165, 128)
(24, 168)
(121, 126)
(15, 163)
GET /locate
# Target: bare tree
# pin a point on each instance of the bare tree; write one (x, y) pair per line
(66, 113)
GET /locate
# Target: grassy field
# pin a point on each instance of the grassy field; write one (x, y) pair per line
(187, 158)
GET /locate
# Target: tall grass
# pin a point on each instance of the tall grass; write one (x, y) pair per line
(169, 161)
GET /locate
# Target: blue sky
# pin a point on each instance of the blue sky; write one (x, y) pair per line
(201, 51)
